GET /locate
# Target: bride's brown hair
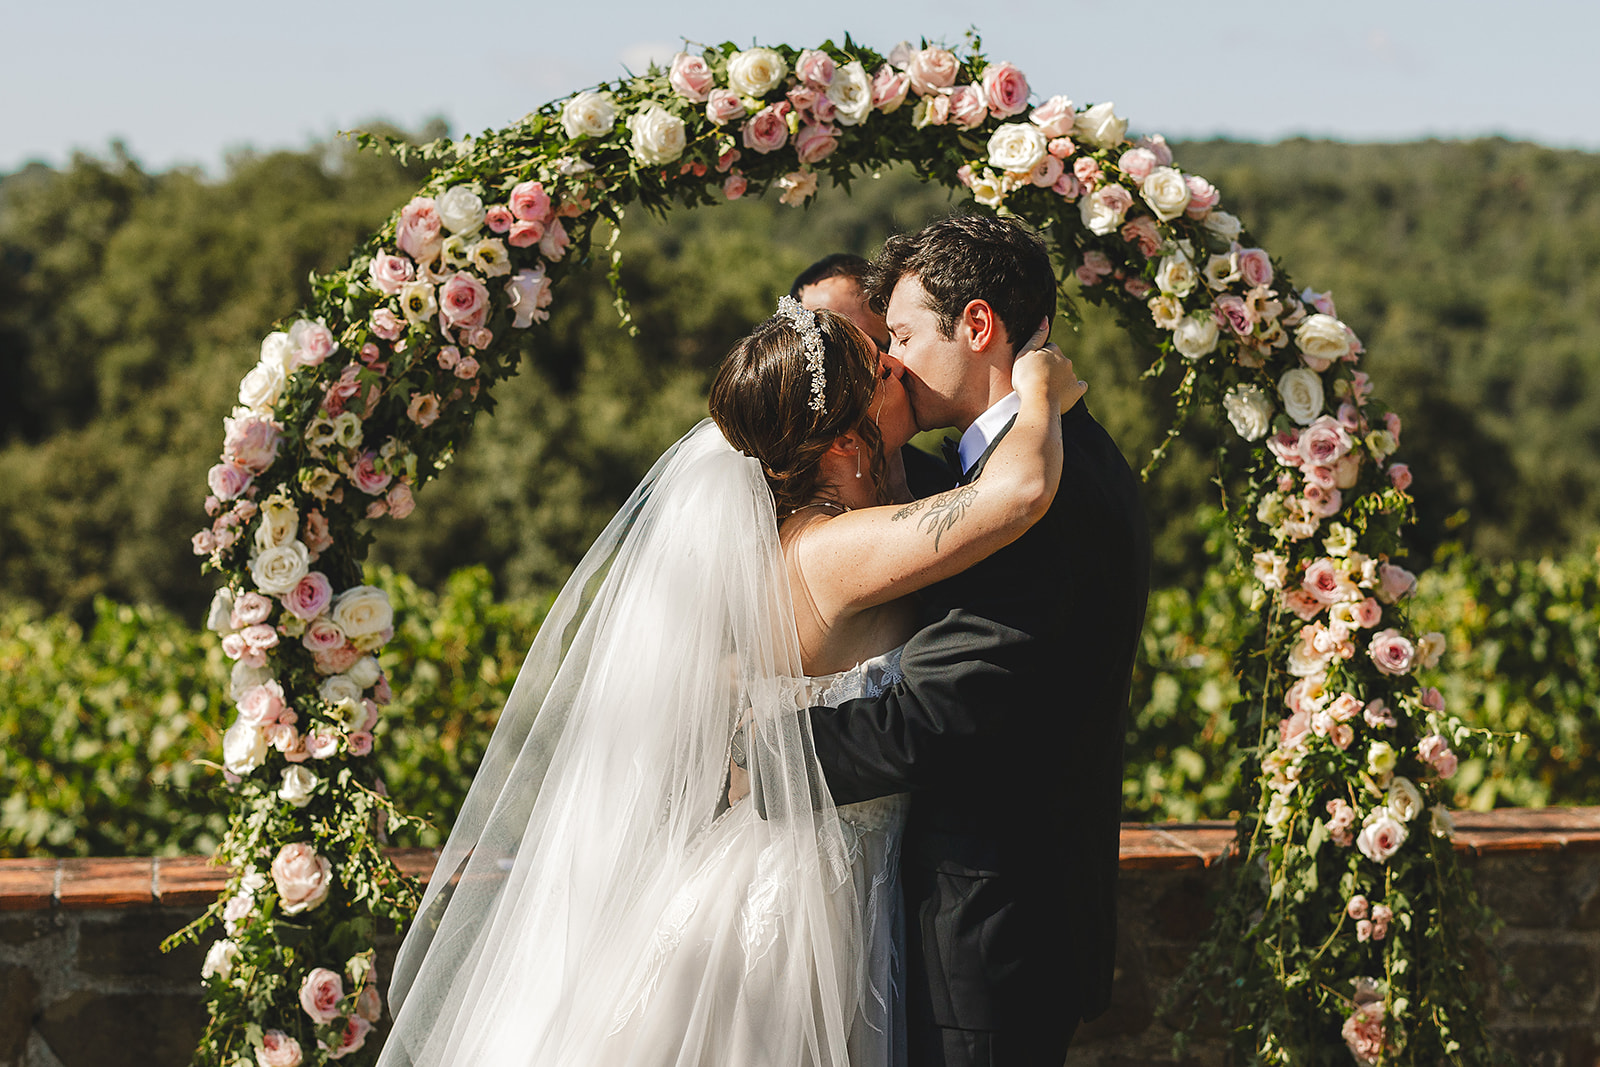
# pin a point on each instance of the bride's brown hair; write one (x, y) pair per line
(761, 400)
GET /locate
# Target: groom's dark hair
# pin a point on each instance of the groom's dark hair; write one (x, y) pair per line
(962, 258)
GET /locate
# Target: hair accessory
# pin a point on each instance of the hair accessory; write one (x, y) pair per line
(804, 321)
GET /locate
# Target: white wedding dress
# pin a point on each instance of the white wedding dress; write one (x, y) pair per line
(597, 902)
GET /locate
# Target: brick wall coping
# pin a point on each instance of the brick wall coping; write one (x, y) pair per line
(125, 881)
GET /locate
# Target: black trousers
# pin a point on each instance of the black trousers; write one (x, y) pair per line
(945, 1046)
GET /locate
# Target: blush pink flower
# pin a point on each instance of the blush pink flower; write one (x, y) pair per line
(463, 301)
(320, 994)
(498, 218)
(889, 88)
(1006, 89)
(1324, 442)
(1324, 580)
(529, 202)
(814, 143)
(418, 233)
(1047, 172)
(1400, 476)
(251, 442)
(386, 324)
(203, 543)
(1435, 751)
(1381, 836)
(365, 475)
(1377, 714)
(553, 245)
(723, 106)
(321, 744)
(766, 131)
(316, 534)
(423, 409)
(525, 234)
(262, 705)
(1255, 267)
(351, 1038)
(1234, 313)
(323, 635)
(1323, 502)
(1392, 652)
(1203, 196)
(1394, 583)
(1144, 233)
(400, 501)
(691, 78)
(310, 597)
(1055, 117)
(1137, 163)
(932, 69)
(248, 609)
(360, 742)
(302, 879)
(228, 480)
(278, 1049)
(1345, 707)
(466, 367)
(1087, 171)
(1067, 187)
(1368, 613)
(1365, 1034)
(815, 68)
(968, 107)
(1302, 603)
(734, 186)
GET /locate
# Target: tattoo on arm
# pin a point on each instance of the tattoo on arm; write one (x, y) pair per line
(945, 510)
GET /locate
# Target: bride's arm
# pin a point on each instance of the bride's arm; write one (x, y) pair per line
(870, 556)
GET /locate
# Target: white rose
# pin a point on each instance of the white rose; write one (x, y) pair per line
(589, 114)
(280, 521)
(1322, 338)
(1176, 275)
(1226, 226)
(1166, 192)
(244, 747)
(1381, 836)
(1099, 217)
(276, 348)
(460, 210)
(988, 189)
(1301, 391)
(364, 672)
(219, 617)
(245, 678)
(658, 136)
(1099, 126)
(1405, 799)
(278, 569)
(1017, 146)
(362, 611)
(756, 72)
(261, 387)
(851, 94)
(1249, 408)
(1196, 335)
(219, 959)
(298, 785)
(338, 687)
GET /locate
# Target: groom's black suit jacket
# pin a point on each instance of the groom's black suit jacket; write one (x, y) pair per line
(1008, 730)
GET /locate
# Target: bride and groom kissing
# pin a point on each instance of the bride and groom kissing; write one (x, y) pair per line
(817, 757)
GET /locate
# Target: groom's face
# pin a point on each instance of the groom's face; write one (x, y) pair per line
(945, 385)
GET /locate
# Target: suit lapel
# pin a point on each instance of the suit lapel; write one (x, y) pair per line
(977, 468)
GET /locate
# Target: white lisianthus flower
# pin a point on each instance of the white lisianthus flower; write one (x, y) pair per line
(1271, 569)
(588, 114)
(351, 714)
(362, 611)
(417, 302)
(1301, 392)
(1340, 542)
(299, 783)
(1430, 648)
(460, 210)
(658, 136)
(1166, 310)
(1226, 226)
(455, 253)
(280, 521)
(756, 71)
(797, 187)
(1322, 339)
(263, 385)
(1196, 335)
(364, 672)
(988, 189)
(851, 94)
(1249, 408)
(220, 958)
(489, 257)
(1100, 126)
(1278, 810)
(1176, 275)
(1166, 192)
(244, 747)
(278, 569)
(1222, 270)
(339, 687)
(347, 430)
(1381, 760)
(1017, 147)
(219, 617)
(1405, 799)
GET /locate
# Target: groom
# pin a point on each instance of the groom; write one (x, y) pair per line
(1008, 728)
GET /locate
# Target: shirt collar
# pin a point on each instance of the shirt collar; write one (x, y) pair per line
(975, 442)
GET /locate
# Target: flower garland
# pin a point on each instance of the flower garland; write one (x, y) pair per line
(362, 399)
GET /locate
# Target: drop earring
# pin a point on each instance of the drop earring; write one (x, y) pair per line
(858, 463)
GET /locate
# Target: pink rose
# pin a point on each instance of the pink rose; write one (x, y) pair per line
(815, 68)
(1435, 751)
(360, 742)
(1234, 313)
(1364, 930)
(1137, 287)
(203, 543)
(1286, 447)
(968, 106)
(1006, 89)
(228, 480)
(368, 1004)
(1087, 171)
(323, 635)
(525, 234)
(932, 69)
(1377, 714)
(417, 233)
(351, 1038)
(734, 186)
(1320, 477)
(723, 106)
(251, 442)
(463, 301)
(1047, 172)
(1324, 442)
(691, 78)
(1323, 502)
(311, 343)
(1382, 916)
(815, 143)
(1293, 729)
(1392, 652)
(448, 357)
(766, 131)
(889, 87)
(498, 218)
(1400, 476)
(278, 1049)
(1341, 818)
(1345, 707)
(1137, 163)
(726, 161)
(1365, 1035)
(1157, 145)
(401, 503)
(423, 409)
(1342, 735)
(377, 509)
(1055, 117)
(310, 597)
(1143, 232)
(1357, 907)
(1324, 580)
(529, 202)
(553, 245)
(303, 879)
(1381, 837)
(320, 744)
(1394, 583)
(261, 705)
(321, 991)
(260, 637)
(1067, 186)
(1255, 266)
(1368, 614)
(285, 738)
(386, 324)
(316, 535)
(1432, 699)
(1203, 196)
(366, 476)
(466, 368)
(249, 609)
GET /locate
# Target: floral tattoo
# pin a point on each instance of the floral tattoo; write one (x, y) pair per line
(944, 511)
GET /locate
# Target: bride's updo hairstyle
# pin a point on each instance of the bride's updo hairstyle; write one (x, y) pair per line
(761, 400)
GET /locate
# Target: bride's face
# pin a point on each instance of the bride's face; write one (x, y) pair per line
(891, 409)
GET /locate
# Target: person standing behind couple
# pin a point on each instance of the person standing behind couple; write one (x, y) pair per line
(1008, 727)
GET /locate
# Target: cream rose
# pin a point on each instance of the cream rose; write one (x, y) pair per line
(1166, 192)
(1322, 340)
(851, 94)
(1103, 211)
(362, 611)
(365, 672)
(589, 114)
(1017, 147)
(280, 521)
(1196, 335)
(1405, 799)
(658, 136)
(1055, 117)
(1166, 311)
(460, 210)
(691, 78)
(278, 569)
(302, 878)
(1100, 126)
(1301, 392)
(1226, 226)
(244, 747)
(339, 687)
(1381, 836)
(1249, 408)
(756, 71)
(298, 785)
(263, 385)
(1177, 275)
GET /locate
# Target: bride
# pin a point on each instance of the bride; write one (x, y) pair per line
(598, 901)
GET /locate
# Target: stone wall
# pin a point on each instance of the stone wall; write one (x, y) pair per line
(83, 982)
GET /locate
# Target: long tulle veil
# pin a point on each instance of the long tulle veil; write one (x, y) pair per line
(599, 792)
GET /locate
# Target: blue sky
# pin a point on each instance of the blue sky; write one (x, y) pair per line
(183, 81)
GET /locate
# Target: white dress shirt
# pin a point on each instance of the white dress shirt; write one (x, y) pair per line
(985, 428)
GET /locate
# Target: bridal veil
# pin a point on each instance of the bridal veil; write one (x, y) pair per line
(553, 929)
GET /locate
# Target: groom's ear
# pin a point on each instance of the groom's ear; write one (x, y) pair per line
(981, 325)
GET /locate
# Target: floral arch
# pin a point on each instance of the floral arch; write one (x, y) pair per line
(1348, 922)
